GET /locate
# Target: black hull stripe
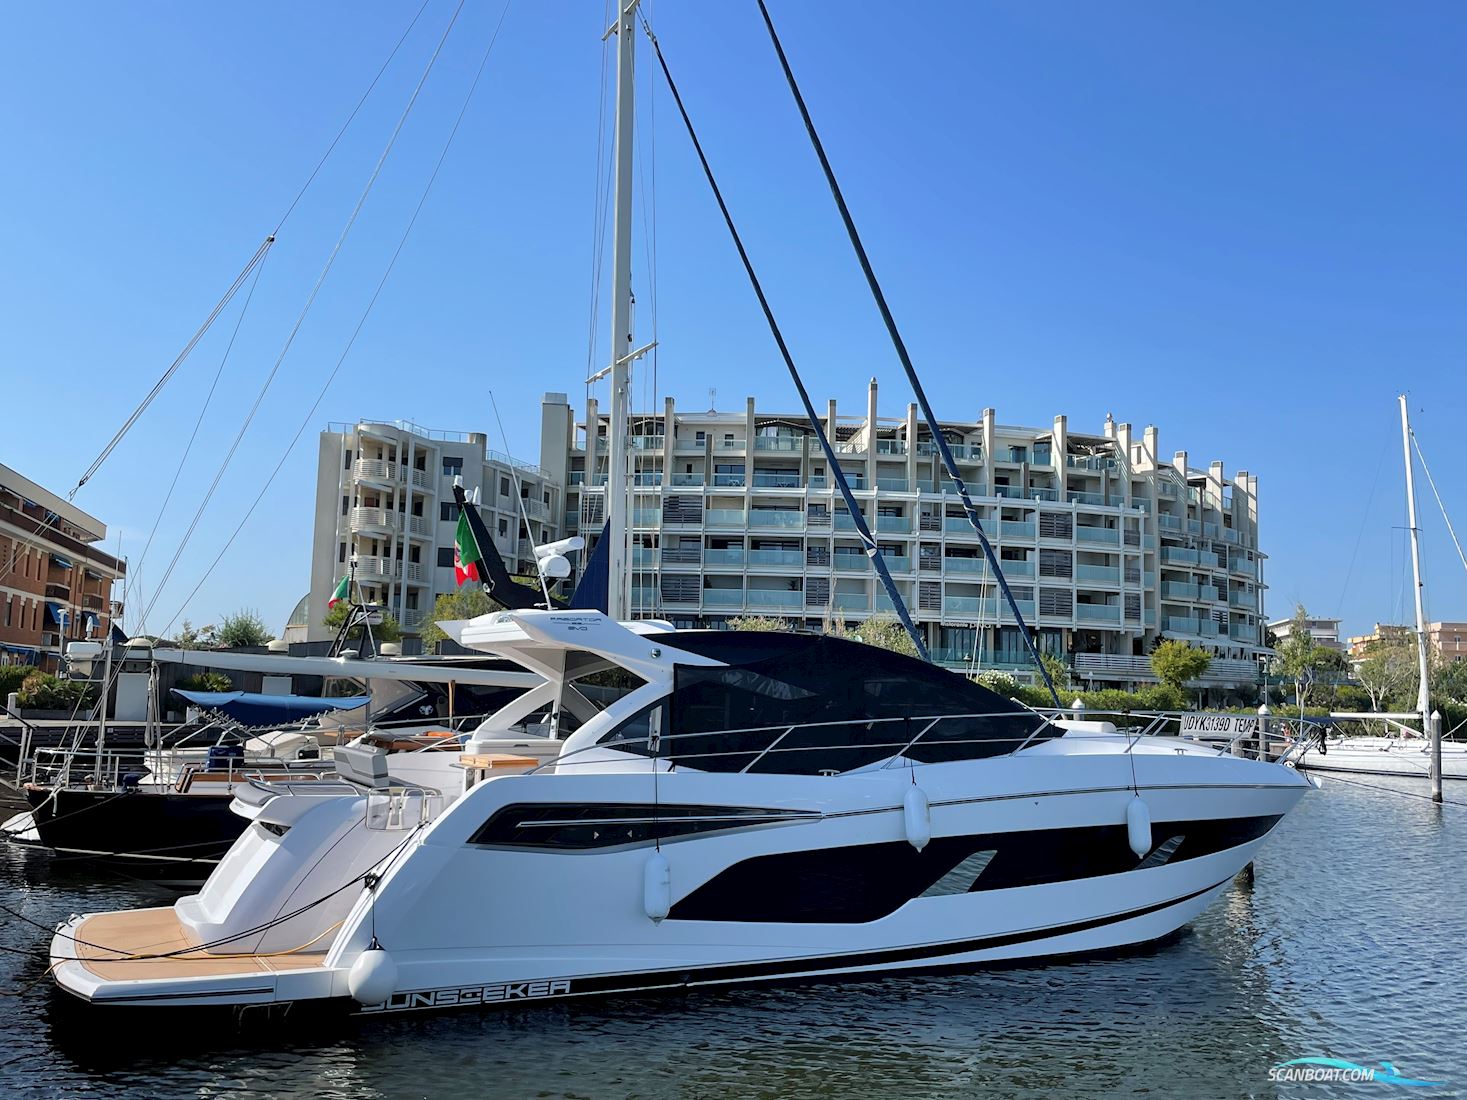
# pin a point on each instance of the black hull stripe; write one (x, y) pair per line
(816, 965)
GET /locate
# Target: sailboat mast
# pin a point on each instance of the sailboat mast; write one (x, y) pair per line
(1423, 694)
(618, 588)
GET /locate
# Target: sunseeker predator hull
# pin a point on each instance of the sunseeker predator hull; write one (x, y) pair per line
(677, 843)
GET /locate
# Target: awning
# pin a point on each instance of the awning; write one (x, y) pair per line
(93, 575)
(56, 611)
(253, 709)
(58, 560)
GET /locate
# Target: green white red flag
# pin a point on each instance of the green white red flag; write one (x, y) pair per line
(466, 556)
(339, 594)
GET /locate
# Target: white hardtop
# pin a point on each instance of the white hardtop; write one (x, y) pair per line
(542, 641)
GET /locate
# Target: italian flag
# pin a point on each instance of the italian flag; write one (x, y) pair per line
(466, 556)
(339, 594)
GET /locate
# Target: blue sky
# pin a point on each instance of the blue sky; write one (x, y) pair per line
(1245, 223)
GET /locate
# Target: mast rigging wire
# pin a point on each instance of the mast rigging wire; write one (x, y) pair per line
(381, 283)
(873, 551)
(1439, 502)
(254, 261)
(901, 349)
(306, 309)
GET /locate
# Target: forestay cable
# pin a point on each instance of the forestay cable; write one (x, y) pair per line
(254, 262)
(310, 301)
(938, 439)
(873, 551)
(351, 342)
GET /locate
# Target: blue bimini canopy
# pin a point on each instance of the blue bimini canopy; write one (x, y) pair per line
(252, 709)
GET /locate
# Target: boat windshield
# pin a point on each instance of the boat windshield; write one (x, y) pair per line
(818, 704)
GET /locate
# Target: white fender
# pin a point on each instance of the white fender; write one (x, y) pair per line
(917, 816)
(1138, 826)
(373, 977)
(656, 886)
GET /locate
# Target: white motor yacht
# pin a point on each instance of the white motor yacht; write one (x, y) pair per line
(724, 807)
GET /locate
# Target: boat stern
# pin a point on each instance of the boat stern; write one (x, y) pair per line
(148, 957)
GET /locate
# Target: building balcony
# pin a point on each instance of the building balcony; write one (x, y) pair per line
(775, 597)
(893, 523)
(973, 565)
(685, 480)
(769, 517)
(375, 469)
(648, 517)
(723, 597)
(723, 557)
(891, 446)
(778, 443)
(785, 558)
(893, 485)
(646, 442)
(731, 445)
(728, 481)
(851, 601)
(1015, 529)
(1098, 574)
(1098, 612)
(648, 479)
(776, 481)
(724, 517)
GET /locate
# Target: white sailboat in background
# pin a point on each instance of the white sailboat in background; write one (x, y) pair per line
(1407, 750)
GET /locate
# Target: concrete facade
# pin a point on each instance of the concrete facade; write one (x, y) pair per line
(1108, 544)
(384, 491)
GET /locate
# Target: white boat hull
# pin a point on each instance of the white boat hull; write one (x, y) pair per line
(1386, 757)
(1060, 813)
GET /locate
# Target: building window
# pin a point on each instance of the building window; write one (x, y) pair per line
(341, 553)
(348, 460)
(445, 557)
(345, 504)
(504, 486)
(448, 511)
(503, 527)
(453, 467)
(8, 601)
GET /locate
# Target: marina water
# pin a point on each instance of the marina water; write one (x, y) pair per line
(1351, 943)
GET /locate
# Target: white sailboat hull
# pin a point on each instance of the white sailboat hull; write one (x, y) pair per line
(1386, 756)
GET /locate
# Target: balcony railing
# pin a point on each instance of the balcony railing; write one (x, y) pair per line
(1015, 529)
(776, 481)
(893, 484)
(891, 446)
(969, 565)
(778, 442)
(687, 479)
(646, 442)
(1108, 535)
(1098, 574)
(723, 597)
(1098, 612)
(723, 557)
(775, 597)
(851, 601)
(776, 557)
(729, 481)
(767, 517)
(1093, 499)
(893, 523)
(724, 517)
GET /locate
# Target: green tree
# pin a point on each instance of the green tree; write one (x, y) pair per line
(43, 691)
(757, 622)
(882, 631)
(1300, 659)
(1059, 672)
(191, 637)
(207, 681)
(467, 603)
(1175, 663)
(243, 628)
(11, 677)
(388, 630)
(1449, 682)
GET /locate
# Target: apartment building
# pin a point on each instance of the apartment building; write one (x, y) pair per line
(55, 584)
(1324, 632)
(1447, 641)
(384, 491)
(1107, 545)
